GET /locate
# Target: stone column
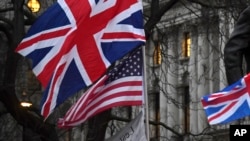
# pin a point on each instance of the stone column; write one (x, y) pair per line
(202, 77)
(192, 85)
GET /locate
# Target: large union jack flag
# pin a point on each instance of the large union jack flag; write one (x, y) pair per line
(230, 104)
(73, 43)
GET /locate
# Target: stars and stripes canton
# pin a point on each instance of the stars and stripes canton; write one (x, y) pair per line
(230, 104)
(122, 86)
(131, 66)
(74, 41)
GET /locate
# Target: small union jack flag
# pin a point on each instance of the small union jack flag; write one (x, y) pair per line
(73, 43)
(230, 104)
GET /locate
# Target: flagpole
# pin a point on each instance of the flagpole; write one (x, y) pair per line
(145, 92)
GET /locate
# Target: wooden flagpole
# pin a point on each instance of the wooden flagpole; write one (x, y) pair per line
(145, 92)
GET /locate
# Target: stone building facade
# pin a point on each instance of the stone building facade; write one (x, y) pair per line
(191, 40)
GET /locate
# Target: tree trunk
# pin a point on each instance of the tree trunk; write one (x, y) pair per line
(97, 126)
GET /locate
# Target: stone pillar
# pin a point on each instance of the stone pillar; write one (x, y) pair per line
(202, 77)
(171, 86)
(193, 84)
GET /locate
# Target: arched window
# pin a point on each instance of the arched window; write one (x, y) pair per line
(186, 102)
(186, 45)
(157, 55)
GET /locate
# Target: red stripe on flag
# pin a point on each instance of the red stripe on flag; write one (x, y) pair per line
(222, 112)
(44, 36)
(122, 35)
(226, 97)
(101, 97)
(46, 109)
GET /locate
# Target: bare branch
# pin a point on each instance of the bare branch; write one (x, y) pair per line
(113, 117)
(156, 14)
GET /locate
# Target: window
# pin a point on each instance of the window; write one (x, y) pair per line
(186, 99)
(186, 45)
(157, 114)
(157, 55)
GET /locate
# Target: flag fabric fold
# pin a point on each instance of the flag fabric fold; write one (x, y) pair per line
(73, 42)
(133, 131)
(122, 86)
(229, 104)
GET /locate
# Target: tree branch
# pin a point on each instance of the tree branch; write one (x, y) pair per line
(25, 118)
(113, 117)
(156, 14)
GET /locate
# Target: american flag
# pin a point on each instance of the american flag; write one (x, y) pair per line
(229, 104)
(73, 43)
(122, 86)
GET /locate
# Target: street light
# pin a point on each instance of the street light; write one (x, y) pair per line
(25, 102)
(34, 5)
